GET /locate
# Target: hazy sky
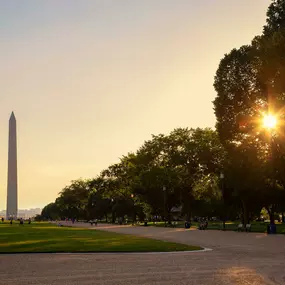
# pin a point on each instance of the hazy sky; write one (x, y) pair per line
(89, 81)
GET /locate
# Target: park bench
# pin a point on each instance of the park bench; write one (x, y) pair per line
(248, 228)
(240, 228)
(93, 222)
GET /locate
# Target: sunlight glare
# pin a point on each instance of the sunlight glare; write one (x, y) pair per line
(269, 121)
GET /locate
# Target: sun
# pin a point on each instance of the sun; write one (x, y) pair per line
(269, 121)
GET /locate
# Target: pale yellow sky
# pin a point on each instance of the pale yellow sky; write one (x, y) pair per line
(90, 80)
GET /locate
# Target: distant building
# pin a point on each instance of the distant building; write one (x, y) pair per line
(24, 213)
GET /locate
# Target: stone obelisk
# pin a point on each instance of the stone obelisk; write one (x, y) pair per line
(12, 187)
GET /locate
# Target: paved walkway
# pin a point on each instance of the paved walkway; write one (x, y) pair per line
(237, 258)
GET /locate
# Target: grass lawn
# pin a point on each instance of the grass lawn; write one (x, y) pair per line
(259, 227)
(45, 237)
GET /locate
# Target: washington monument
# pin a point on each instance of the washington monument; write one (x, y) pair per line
(12, 183)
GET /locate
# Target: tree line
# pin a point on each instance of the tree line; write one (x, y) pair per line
(232, 172)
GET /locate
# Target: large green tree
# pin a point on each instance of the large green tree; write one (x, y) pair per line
(50, 212)
(173, 162)
(73, 199)
(249, 84)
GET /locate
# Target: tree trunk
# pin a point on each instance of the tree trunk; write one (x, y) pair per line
(245, 213)
(283, 218)
(271, 215)
(106, 216)
(188, 216)
(169, 216)
(224, 216)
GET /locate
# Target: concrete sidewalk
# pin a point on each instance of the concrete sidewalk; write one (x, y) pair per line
(254, 243)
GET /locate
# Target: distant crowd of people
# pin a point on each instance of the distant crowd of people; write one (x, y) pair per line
(21, 221)
(72, 220)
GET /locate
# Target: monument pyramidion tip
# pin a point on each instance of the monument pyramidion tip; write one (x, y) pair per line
(12, 116)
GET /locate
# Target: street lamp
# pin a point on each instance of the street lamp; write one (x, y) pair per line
(164, 203)
(113, 214)
(134, 211)
(222, 176)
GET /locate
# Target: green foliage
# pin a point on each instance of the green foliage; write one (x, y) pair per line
(39, 218)
(50, 211)
(72, 200)
(207, 188)
(98, 206)
(275, 17)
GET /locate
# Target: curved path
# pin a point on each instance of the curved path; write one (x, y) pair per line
(237, 258)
